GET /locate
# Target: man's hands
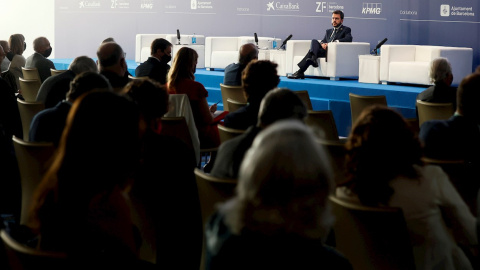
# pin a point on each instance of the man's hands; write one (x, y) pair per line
(324, 46)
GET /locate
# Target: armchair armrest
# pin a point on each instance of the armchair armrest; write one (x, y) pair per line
(343, 58)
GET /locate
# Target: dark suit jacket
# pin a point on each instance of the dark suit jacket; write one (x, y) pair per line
(455, 138)
(154, 69)
(43, 65)
(233, 74)
(230, 154)
(48, 125)
(54, 89)
(439, 93)
(243, 118)
(344, 34)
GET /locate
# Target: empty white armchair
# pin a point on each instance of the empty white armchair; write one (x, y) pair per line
(411, 63)
(342, 58)
(222, 51)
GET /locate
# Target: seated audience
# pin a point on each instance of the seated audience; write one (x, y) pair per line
(6, 62)
(156, 67)
(81, 206)
(258, 78)
(278, 104)
(39, 60)
(459, 136)
(17, 61)
(112, 65)
(442, 92)
(262, 226)
(9, 115)
(48, 125)
(384, 168)
(54, 88)
(165, 185)
(181, 80)
(233, 72)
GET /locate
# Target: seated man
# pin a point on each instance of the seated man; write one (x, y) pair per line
(339, 33)
(39, 60)
(112, 64)
(441, 92)
(48, 125)
(233, 72)
(156, 66)
(278, 104)
(258, 78)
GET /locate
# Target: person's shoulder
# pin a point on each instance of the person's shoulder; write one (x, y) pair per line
(232, 66)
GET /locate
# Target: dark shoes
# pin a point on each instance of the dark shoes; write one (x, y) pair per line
(297, 75)
(312, 61)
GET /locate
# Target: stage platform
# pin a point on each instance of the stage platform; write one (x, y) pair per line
(324, 94)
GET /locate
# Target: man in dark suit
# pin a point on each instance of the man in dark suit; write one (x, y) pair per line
(339, 33)
(112, 64)
(441, 92)
(233, 72)
(39, 60)
(156, 66)
(459, 136)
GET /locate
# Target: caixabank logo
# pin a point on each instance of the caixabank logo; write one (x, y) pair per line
(448, 10)
(372, 8)
(89, 4)
(282, 6)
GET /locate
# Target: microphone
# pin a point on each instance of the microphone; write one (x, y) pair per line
(379, 45)
(256, 39)
(285, 41)
(178, 36)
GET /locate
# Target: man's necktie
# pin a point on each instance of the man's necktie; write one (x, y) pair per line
(333, 34)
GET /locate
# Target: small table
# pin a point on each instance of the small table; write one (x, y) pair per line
(369, 69)
(279, 57)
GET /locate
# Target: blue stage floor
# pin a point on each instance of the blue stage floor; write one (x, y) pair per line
(324, 94)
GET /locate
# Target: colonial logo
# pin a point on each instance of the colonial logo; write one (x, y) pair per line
(445, 10)
(372, 8)
(283, 6)
(193, 4)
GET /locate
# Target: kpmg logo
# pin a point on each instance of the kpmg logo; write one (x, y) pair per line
(146, 4)
(282, 6)
(372, 8)
(445, 10)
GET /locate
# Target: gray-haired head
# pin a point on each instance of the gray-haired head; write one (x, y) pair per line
(278, 104)
(440, 70)
(83, 64)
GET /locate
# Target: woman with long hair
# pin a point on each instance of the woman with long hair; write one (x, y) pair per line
(384, 167)
(17, 61)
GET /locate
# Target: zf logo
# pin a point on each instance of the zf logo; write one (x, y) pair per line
(372, 8)
(321, 6)
(445, 10)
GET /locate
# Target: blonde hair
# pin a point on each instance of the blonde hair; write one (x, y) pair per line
(182, 67)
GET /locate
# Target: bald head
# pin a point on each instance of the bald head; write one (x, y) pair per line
(111, 57)
(248, 52)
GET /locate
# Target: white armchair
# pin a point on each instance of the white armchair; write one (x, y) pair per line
(411, 63)
(342, 58)
(222, 51)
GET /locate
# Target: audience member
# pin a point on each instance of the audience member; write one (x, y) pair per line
(39, 60)
(258, 78)
(10, 122)
(156, 67)
(6, 61)
(81, 206)
(165, 185)
(17, 61)
(263, 227)
(459, 136)
(181, 80)
(112, 64)
(48, 125)
(109, 39)
(233, 72)
(441, 75)
(278, 104)
(54, 88)
(384, 168)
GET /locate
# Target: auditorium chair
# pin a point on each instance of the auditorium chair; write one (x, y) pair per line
(27, 111)
(223, 51)
(33, 160)
(372, 237)
(325, 121)
(358, 103)
(232, 92)
(337, 152)
(411, 63)
(341, 60)
(29, 89)
(56, 71)
(228, 133)
(30, 74)
(433, 111)
(234, 105)
(305, 97)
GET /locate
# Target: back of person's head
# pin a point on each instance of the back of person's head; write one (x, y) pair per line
(284, 171)
(258, 78)
(380, 147)
(468, 95)
(5, 45)
(2, 54)
(159, 44)
(39, 43)
(281, 104)
(83, 64)
(109, 39)
(109, 54)
(183, 66)
(150, 96)
(17, 44)
(248, 52)
(86, 82)
(440, 69)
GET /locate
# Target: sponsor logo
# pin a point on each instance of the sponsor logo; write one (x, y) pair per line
(446, 10)
(241, 9)
(146, 4)
(119, 4)
(89, 4)
(372, 8)
(194, 4)
(328, 7)
(408, 12)
(283, 6)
